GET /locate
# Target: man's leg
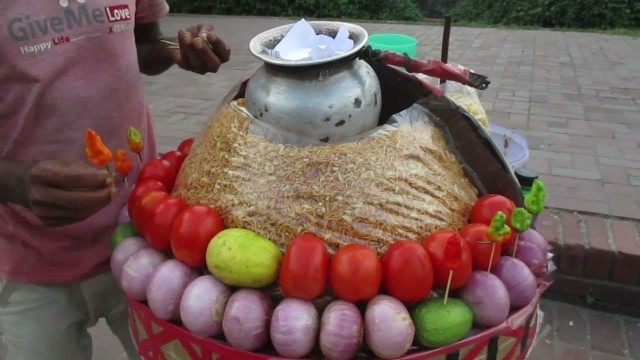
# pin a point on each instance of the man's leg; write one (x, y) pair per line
(106, 300)
(43, 322)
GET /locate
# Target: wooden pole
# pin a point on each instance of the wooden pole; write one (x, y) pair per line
(446, 34)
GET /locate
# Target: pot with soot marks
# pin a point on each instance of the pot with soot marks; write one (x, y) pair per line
(328, 99)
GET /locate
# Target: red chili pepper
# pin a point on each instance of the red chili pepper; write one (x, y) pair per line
(134, 139)
(97, 153)
(453, 252)
(123, 163)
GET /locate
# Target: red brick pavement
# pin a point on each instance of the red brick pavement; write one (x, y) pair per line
(574, 96)
(571, 332)
(598, 258)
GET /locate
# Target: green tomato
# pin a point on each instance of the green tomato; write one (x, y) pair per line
(123, 231)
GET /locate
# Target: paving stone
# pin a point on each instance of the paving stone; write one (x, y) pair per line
(606, 334)
(627, 267)
(571, 326)
(574, 249)
(632, 332)
(600, 255)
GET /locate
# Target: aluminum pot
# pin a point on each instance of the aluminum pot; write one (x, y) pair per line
(328, 100)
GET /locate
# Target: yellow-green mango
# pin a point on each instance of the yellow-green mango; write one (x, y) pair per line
(243, 258)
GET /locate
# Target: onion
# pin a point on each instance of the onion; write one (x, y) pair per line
(123, 216)
(294, 327)
(487, 297)
(166, 285)
(388, 328)
(123, 252)
(202, 306)
(341, 331)
(246, 319)
(535, 259)
(137, 272)
(518, 279)
(533, 237)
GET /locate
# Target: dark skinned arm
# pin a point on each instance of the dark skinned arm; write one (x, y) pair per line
(153, 55)
(200, 50)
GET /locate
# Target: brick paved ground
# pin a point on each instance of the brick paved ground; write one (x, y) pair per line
(575, 96)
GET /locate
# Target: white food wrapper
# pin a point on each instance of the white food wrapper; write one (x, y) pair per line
(302, 43)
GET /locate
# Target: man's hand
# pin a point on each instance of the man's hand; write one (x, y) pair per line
(201, 51)
(62, 192)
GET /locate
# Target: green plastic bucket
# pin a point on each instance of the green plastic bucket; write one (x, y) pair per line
(399, 43)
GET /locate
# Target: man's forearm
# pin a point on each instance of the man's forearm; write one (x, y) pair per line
(13, 184)
(154, 57)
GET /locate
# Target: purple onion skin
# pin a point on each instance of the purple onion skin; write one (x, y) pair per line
(202, 305)
(123, 216)
(123, 252)
(535, 238)
(487, 297)
(388, 328)
(166, 286)
(137, 272)
(341, 331)
(245, 322)
(518, 279)
(533, 258)
(294, 328)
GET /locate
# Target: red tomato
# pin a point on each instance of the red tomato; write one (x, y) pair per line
(185, 145)
(407, 272)
(435, 244)
(160, 170)
(305, 268)
(191, 233)
(140, 189)
(485, 209)
(145, 206)
(355, 273)
(176, 158)
(157, 229)
(475, 235)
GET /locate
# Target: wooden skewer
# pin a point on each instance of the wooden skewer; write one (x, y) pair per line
(171, 44)
(446, 292)
(174, 45)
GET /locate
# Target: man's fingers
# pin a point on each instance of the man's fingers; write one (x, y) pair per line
(184, 40)
(222, 51)
(70, 175)
(191, 58)
(204, 28)
(210, 60)
(201, 50)
(53, 216)
(70, 200)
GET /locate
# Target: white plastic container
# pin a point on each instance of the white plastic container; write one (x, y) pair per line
(512, 145)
